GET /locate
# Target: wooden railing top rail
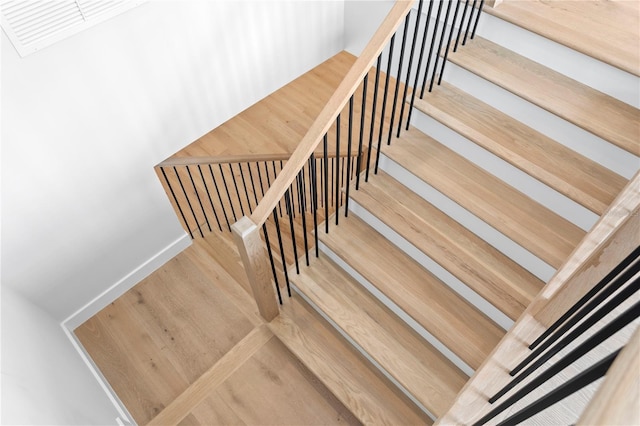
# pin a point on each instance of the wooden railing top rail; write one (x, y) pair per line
(331, 110)
(240, 158)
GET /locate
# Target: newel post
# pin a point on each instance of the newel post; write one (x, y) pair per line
(254, 258)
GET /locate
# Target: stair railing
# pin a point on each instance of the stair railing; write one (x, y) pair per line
(590, 299)
(340, 116)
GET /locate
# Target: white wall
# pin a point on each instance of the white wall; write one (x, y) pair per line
(83, 123)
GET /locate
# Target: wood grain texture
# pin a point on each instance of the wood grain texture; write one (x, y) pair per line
(498, 279)
(596, 112)
(349, 376)
(544, 233)
(456, 323)
(579, 178)
(330, 111)
(416, 365)
(254, 259)
(214, 377)
(617, 401)
(605, 30)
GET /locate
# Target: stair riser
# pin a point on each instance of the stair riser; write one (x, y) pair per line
(458, 286)
(362, 351)
(575, 138)
(596, 74)
(520, 180)
(396, 309)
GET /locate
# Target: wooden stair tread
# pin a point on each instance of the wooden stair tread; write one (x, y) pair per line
(456, 323)
(533, 226)
(415, 364)
(370, 396)
(498, 279)
(596, 112)
(563, 169)
(605, 30)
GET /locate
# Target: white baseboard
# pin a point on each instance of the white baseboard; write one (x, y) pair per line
(127, 282)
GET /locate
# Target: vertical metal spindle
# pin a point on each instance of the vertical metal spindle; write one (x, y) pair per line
(206, 219)
(349, 143)
(384, 101)
(253, 185)
(314, 189)
(275, 174)
(206, 187)
(337, 162)
(475, 25)
(373, 117)
(188, 201)
(226, 188)
(432, 45)
(398, 81)
(273, 265)
(444, 30)
(300, 194)
(422, 46)
(466, 32)
(464, 15)
(244, 184)
(360, 140)
(235, 184)
(304, 219)
(173, 194)
(326, 184)
(407, 78)
(224, 210)
(446, 50)
(287, 199)
(281, 245)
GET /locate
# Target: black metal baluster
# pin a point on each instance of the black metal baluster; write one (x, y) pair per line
(361, 139)
(464, 15)
(304, 221)
(417, 78)
(206, 187)
(299, 194)
(444, 31)
(235, 184)
(226, 188)
(337, 163)
(274, 178)
(398, 81)
(466, 32)
(446, 51)
(431, 52)
(349, 142)
(273, 265)
(173, 194)
(253, 185)
(407, 78)
(384, 101)
(633, 256)
(573, 385)
(475, 25)
(373, 117)
(206, 219)
(188, 201)
(570, 337)
(244, 184)
(281, 245)
(287, 198)
(314, 188)
(224, 210)
(326, 184)
(600, 336)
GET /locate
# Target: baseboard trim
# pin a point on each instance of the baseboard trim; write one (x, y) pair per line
(127, 282)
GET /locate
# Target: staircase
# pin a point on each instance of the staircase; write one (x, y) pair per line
(446, 244)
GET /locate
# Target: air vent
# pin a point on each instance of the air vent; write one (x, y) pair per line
(33, 25)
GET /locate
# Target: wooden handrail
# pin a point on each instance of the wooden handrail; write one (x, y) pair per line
(330, 111)
(241, 158)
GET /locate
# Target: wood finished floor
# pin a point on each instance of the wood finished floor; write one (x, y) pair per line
(166, 339)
